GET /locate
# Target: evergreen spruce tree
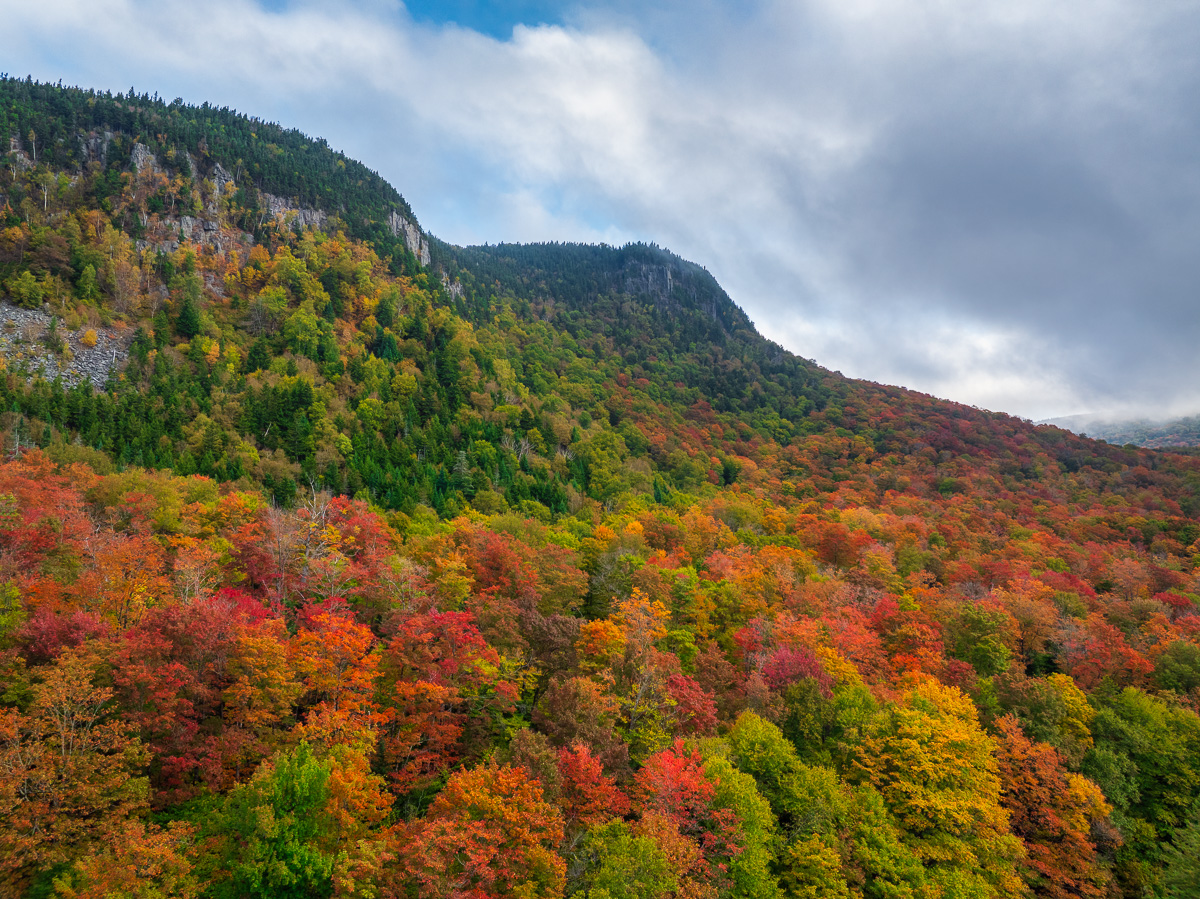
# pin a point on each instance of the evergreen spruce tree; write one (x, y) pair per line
(187, 323)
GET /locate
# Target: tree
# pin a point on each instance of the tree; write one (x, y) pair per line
(822, 820)
(695, 710)
(589, 797)
(758, 748)
(336, 657)
(675, 785)
(257, 703)
(812, 869)
(1178, 668)
(1147, 761)
(303, 331)
(1051, 710)
(982, 636)
(87, 287)
(144, 862)
(69, 772)
(1054, 813)
(935, 769)
(444, 690)
(125, 579)
(749, 869)
(1181, 862)
(488, 834)
(170, 674)
(579, 710)
(621, 864)
(26, 290)
(187, 322)
(275, 836)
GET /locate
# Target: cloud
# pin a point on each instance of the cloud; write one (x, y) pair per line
(995, 202)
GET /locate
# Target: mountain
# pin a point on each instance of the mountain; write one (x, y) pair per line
(1159, 434)
(338, 559)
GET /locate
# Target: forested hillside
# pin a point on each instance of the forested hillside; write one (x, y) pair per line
(386, 568)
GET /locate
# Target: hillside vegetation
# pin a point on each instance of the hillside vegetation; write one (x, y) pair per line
(534, 570)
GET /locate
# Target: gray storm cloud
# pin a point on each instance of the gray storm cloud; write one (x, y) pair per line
(994, 202)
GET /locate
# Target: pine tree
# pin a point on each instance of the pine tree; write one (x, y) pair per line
(187, 324)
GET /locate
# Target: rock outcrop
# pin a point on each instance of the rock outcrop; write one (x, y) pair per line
(26, 338)
(17, 159)
(220, 178)
(414, 239)
(95, 146)
(207, 228)
(141, 159)
(283, 211)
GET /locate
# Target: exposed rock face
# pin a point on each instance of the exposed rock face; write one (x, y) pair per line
(142, 159)
(203, 230)
(656, 280)
(95, 146)
(413, 238)
(220, 178)
(17, 159)
(668, 285)
(166, 232)
(24, 348)
(281, 209)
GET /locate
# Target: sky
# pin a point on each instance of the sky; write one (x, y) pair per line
(993, 202)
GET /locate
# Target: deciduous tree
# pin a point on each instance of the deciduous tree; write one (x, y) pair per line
(488, 834)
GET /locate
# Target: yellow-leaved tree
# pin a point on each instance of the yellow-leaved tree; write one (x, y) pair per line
(936, 770)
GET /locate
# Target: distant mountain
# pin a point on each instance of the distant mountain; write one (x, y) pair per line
(1161, 434)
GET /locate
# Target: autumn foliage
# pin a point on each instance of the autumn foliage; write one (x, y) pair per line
(519, 576)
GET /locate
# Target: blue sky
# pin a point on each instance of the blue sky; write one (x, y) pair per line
(493, 19)
(995, 202)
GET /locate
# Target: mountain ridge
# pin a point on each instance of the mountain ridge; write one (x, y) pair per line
(1161, 433)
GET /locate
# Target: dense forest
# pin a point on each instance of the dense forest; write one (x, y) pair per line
(534, 570)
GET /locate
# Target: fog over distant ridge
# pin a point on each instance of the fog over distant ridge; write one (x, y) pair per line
(995, 202)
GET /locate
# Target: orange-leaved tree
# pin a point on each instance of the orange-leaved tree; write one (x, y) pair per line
(69, 772)
(1055, 813)
(488, 834)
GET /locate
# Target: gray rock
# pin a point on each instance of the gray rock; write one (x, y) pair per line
(413, 238)
(286, 212)
(220, 178)
(142, 158)
(23, 348)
